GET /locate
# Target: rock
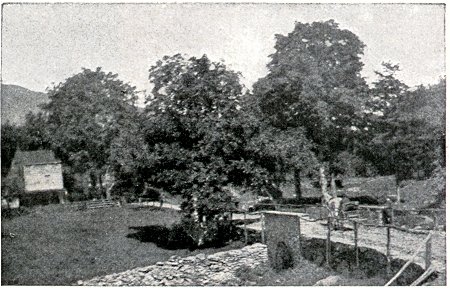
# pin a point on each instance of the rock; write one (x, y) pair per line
(189, 259)
(171, 263)
(213, 258)
(329, 281)
(201, 256)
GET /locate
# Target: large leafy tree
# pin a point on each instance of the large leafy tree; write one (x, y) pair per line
(85, 114)
(314, 82)
(406, 137)
(197, 141)
(32, 135)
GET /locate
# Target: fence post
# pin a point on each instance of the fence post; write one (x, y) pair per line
(436, 221)
(300, 236)
(428, 253)
(328, 245)
(355, 229)
(392, 216)
(245, 228)
(388, 250)
(263, 225)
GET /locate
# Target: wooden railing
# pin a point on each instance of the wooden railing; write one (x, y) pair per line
(356, 222)
(428, 268)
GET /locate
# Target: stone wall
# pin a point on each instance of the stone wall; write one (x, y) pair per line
(219, 269)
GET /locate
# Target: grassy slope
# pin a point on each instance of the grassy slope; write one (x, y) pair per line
(416, 194)
(304, 274)
(57, 245)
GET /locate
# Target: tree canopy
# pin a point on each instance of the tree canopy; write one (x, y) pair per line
(85, 114)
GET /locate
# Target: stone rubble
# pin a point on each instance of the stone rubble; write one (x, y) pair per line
(218, 269)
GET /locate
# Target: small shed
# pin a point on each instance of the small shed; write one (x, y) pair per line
(36, 176)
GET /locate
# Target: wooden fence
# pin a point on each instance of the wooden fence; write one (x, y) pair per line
(356, 223)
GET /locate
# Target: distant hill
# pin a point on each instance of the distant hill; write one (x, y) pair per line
(17, 101)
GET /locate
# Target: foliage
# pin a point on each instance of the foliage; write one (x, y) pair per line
(192, 140)
(314, 82)
(11, 135)
(403, 142)
(85, 113)
(351, 165)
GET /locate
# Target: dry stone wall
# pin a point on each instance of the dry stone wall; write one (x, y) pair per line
(217, 269)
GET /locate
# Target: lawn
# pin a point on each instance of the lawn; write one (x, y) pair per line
(58, 245)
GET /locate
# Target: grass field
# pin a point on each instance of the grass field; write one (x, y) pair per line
(58, 245)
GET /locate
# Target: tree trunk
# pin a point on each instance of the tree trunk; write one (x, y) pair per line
(100, 183)
(298, 184)
(93, 187)
(333, 185)
(323, 183)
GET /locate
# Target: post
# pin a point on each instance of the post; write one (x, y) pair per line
(355, 230)
(436, 221)
(388, 250)
(245, 228)
(428, 253)
(328, 245)
(300, 236)
(262, 229)
(392, 216)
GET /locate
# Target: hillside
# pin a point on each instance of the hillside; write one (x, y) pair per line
(17, 101)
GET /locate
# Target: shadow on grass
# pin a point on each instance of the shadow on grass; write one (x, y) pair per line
(176, 236)
(167, 238)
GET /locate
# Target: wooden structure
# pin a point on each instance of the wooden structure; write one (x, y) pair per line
(361, 236)
(35, 175)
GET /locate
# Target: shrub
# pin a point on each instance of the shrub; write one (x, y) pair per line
(8, 213)
(178, 238)
(213, 233)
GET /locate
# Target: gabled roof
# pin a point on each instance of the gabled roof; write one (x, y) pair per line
(26, 158)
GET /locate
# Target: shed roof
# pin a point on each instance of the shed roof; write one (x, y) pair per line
(27, 158)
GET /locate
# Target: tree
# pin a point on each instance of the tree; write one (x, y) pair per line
(35, 132)
(11, 135)
(314, 82)
(403, 141)
(85, 114)
(197, 138)
(32, 135)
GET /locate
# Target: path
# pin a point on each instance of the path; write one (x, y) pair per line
(403, 244)
(235, 216)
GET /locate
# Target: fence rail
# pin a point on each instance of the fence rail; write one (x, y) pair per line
(355, 223)
(426, 243)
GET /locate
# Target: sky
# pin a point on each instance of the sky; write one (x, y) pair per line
(44, 44)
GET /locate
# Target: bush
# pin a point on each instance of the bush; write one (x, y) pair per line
(12, 213)
(178, 238)
(213, 233)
